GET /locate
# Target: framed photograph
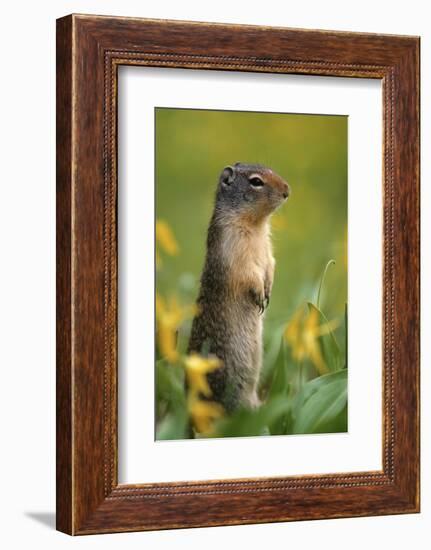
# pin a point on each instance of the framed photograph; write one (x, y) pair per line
(237, 274)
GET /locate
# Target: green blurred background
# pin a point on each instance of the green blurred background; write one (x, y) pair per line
(309, 151)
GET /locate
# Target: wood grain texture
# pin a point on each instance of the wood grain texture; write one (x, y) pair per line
(90, 49)
(64, 496)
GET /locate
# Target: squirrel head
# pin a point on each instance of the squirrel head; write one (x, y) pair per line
(252, 191)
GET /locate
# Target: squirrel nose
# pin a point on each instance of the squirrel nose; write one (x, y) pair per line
(286, 191)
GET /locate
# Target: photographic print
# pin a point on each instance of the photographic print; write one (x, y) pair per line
(251, 273)
(203, 286)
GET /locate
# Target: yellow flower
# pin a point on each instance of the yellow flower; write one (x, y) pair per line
(203, 414)
(303, 333)
(169, 316)
(197, 368)
(165, 238)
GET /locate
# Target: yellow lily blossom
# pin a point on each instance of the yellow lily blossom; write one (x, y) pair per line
(203, 414)
(165, 238)
(197, 368)
(169, 316)
(303, 333)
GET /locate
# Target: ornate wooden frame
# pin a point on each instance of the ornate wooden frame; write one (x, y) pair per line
(89, 51)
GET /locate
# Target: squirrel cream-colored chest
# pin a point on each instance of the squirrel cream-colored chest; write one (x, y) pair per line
(247, 253)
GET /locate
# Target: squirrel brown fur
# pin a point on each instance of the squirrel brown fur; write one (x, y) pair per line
(236, 281)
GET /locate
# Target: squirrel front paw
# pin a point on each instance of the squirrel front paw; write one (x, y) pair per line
(267, 295)
(259, 299)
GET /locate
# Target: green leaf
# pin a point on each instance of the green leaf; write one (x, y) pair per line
(317, 384)
(319, 292)
(321, 406)
(170, 390)
(279, 387)
(279, 383)
(170, 384)
(247, 422)
(173, 426)
(271, 355)
(328, 344)
(337, 424)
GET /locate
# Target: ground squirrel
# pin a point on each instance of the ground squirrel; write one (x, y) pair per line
(236, 281)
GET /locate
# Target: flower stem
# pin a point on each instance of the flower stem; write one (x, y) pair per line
(331, 262)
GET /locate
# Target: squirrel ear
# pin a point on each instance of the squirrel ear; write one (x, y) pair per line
(227, 176)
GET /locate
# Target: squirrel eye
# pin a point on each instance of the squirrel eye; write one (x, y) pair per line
(256, 182)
